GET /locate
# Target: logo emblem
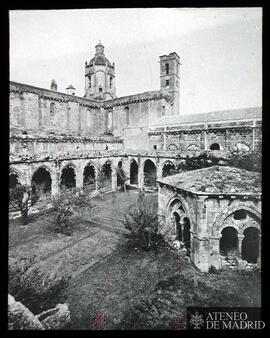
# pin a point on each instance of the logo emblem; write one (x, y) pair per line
(196, 321)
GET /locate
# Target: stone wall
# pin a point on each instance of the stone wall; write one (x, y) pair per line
(208, 215)
(201, 137)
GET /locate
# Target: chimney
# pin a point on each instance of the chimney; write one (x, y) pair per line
(71, 90)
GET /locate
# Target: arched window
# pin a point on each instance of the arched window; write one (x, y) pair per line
(90, 81)
(167, 68)
(52, 109)
(127, 115)
(111, 81)
(215, 146)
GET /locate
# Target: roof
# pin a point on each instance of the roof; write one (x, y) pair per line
(224, 115)
(70, 87)
(99, 60)
(216, 180)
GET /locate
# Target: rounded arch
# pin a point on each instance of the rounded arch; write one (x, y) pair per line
(106, 173)
(221, 217)
(89, 176)
(215, 146)
(228, 244)
(242, 146)
(150, 172)
(172, 147)
(167, 167)
(41, 184)
(178, 203)
(133, 169)
(250, 245)
(192, 147)
(16, 172)
(68, 176)
(43, 166)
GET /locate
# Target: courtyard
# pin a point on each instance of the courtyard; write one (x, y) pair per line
(114, 284)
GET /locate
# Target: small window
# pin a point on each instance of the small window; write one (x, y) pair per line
(240, 214)
(163, 111)
(111, 81)
(155, 147)
(167, 83)
(90, 82)
(167, 68)
(52, 109)
(100, 90)
(127, 115)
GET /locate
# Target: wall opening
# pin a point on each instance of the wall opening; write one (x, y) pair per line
(178, 229)
(250, 245)
(127, 115)
(167, 68)
(89, 178)
(215, 146)
(68, 178)
(133, 172)
(229, 242)
(172, 147)
(13, 183)
(167, 83)
(41, 185)
(150, 173)
(107, 174)
(186, 234)
(13, 180)
(240, 214)
(168, 169)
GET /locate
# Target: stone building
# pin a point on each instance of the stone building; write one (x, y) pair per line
(61, 139)
(214, 213)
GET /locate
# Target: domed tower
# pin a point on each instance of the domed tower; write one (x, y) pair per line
(99, 76)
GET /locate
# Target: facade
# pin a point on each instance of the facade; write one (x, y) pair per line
(214, 213)
(60, 139)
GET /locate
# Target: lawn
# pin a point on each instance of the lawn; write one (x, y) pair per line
(115, 284)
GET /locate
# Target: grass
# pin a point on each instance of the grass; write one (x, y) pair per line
(117, 281)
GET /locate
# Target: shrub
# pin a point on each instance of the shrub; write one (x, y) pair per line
(35, 289)
(19, 199)
(65, 204)
(142, 222)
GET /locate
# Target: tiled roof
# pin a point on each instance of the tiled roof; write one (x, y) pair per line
(216, 180)
(224, 115)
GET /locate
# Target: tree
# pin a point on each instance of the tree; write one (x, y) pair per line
(20, 199)
(65, 204)
(143, 224)
(122, 178)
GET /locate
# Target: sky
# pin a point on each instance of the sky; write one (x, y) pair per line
(220, 51)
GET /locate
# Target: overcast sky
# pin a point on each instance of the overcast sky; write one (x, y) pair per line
(220, 51)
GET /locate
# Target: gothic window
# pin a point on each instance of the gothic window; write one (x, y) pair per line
(52, 109)
(127, 115)
(167, 83)
(167, 68)
(111, 81)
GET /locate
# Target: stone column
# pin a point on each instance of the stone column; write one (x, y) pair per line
(140, 176)
(114, 179)
(55, 185)
(239, 248)
(79, 179)
(215, 254)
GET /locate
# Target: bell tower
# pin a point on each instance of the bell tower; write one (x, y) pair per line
(170, 78)
(99, 76)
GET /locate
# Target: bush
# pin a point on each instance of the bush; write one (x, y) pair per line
(65, 205)
(142, 222)
(35, 289)
(19, 199)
